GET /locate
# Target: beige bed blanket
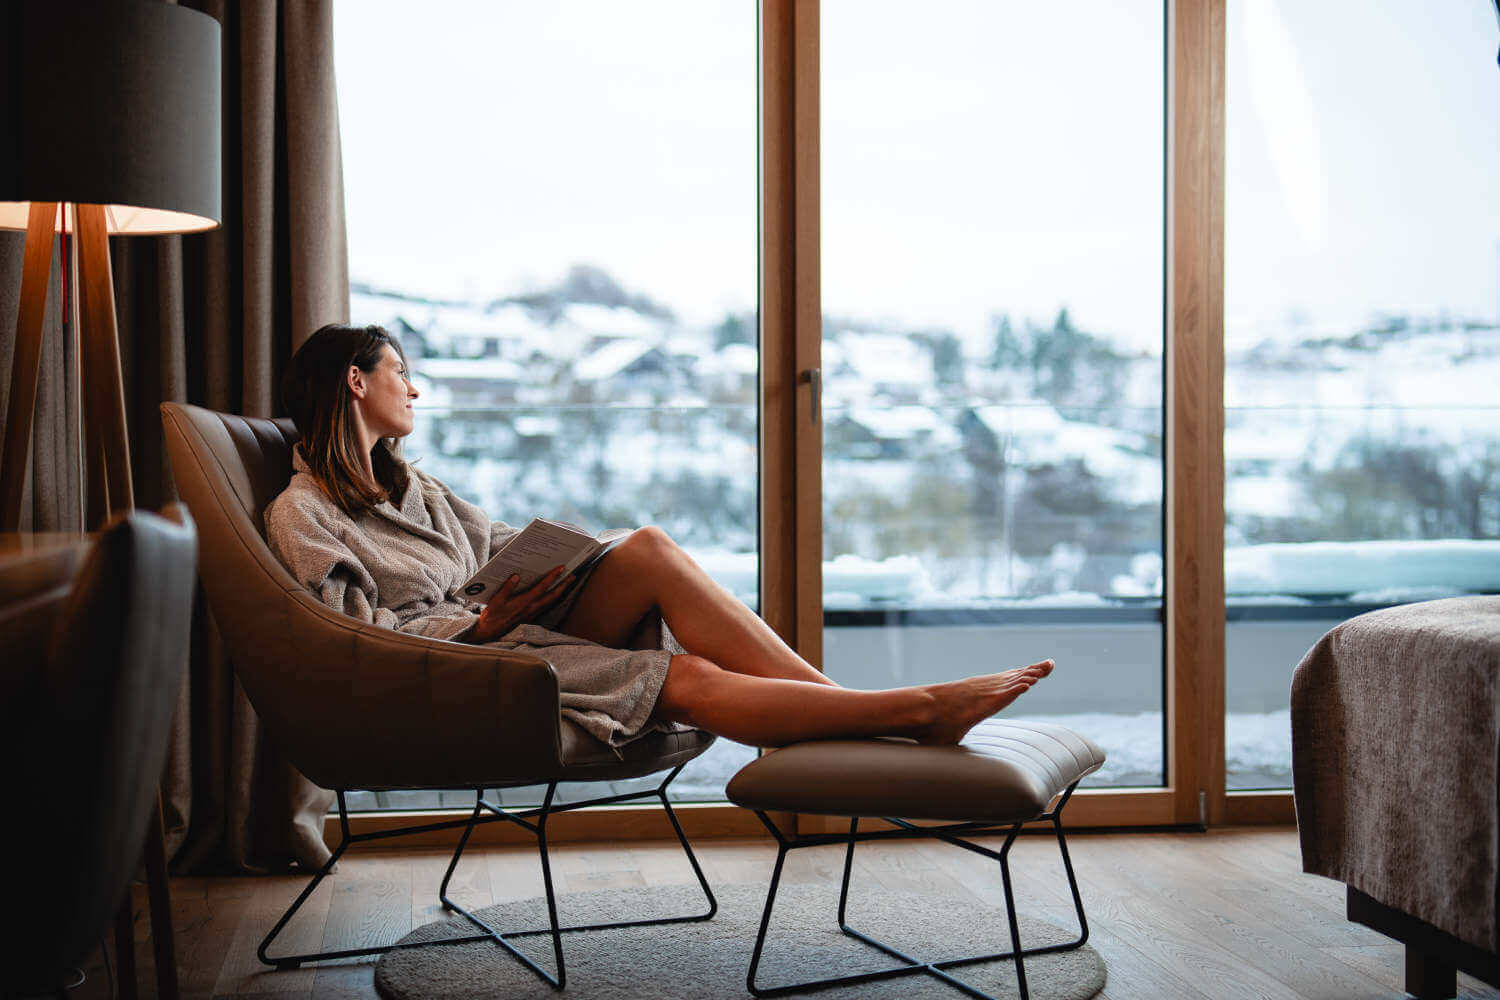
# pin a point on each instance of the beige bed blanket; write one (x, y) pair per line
(1395, 730)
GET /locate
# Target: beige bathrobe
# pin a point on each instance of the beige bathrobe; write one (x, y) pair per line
(401, 565)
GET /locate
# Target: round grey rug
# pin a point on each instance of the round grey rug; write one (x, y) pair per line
(709, 959)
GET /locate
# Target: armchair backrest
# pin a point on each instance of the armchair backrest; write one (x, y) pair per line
(252, 463)
(352, 705)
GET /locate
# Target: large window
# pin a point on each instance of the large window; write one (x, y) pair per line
(992, 275)
(1362, 301)
(996, 237)
(554, 207)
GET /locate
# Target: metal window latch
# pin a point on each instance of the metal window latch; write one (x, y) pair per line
(814, 379)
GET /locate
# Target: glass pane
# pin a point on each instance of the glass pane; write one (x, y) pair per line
(992, 355)
(554, 207)
(1362, 446)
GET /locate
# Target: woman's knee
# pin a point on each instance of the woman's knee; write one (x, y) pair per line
(650, 543)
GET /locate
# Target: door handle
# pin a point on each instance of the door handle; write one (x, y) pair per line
(814, 379)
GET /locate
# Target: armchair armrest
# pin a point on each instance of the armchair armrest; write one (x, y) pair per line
(494, 715)
(355, 705)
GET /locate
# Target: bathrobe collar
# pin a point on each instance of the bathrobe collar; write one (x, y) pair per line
(411, 513)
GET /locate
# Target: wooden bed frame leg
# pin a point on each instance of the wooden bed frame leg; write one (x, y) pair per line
(1429, 977)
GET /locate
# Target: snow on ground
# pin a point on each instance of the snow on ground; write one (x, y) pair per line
(1258, 749)
(1338, 568)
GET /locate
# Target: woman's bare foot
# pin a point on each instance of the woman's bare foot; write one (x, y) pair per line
(961, 705)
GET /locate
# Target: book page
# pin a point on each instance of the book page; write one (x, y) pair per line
(538, 547)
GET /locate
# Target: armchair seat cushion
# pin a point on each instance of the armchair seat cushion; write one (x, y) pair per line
(586, 759)
(583, 759)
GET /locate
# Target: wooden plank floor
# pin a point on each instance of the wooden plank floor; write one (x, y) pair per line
(1226, 914)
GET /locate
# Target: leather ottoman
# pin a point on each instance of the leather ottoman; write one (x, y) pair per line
(1003, 775)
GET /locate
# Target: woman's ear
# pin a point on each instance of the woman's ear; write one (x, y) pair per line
(357, 382)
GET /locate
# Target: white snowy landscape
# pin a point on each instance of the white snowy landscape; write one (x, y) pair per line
(1011, 474)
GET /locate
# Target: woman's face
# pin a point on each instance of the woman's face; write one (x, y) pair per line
(383, 396)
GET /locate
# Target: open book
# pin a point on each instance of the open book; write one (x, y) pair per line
(531, 552)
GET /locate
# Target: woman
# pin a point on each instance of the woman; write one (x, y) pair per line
(380, 540)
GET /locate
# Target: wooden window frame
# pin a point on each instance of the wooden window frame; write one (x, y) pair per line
(1194, 346)
(791, 439)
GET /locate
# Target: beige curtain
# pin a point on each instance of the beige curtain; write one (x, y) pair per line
(211, 320)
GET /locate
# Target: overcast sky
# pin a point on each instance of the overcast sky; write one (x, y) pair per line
(984, 156)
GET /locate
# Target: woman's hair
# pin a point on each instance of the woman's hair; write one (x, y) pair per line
(315, 389)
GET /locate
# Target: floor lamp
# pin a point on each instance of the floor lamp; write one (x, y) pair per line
(109, 125)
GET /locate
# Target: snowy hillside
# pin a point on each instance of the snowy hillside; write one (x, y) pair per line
(959, 472)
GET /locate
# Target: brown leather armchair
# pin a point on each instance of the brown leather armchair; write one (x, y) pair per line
(357, 706)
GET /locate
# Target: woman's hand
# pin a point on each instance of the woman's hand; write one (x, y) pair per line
(509, 608)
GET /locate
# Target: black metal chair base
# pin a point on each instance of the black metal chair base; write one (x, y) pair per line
(953, 834)
(485, 812)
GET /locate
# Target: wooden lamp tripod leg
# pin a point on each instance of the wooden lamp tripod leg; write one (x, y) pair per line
(107, 449)
(36, 272)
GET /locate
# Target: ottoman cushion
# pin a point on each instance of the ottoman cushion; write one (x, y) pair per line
(1002, 771)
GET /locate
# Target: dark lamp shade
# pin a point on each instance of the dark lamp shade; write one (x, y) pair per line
(113, 103)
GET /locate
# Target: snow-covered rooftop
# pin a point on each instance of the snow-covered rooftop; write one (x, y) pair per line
(504, 322)
(610, 360)
(883, 357)
(731, 359)
(534, 426)
(896, 423)
(610, 321)
(1030, 417)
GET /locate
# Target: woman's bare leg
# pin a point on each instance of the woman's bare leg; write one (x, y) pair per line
(647, 574)
(769, 711)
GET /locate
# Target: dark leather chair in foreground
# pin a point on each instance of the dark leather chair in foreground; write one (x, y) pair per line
(356, 706)
(104, 651)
